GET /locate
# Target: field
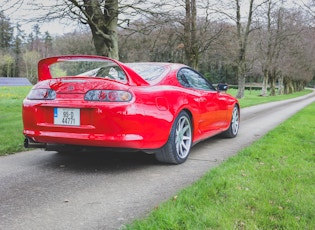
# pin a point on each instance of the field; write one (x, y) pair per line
(11, 137)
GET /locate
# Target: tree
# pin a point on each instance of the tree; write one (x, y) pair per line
(242, 36)
(272, 41)
(30, 59)
(102, 20)
(100, 16)
(296, 62)
(6, 65)
(243, 30)
(74, 43)
(6, 40)
(190, 33)
(17, 49)
(6, 32)
(47, 44)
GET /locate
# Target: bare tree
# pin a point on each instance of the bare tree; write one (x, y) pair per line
(242, 35)
(101, 16)
(190, 33)
(272, 40)
(198, 36)
(9, 4)
(243, 27)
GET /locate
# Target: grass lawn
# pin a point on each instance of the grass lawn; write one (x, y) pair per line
(11, 137)
(252, 97)
(269, 185)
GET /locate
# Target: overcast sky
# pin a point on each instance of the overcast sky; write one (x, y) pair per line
(18, 13)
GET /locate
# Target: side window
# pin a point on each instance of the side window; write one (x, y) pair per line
(182, 79)
(191, 79)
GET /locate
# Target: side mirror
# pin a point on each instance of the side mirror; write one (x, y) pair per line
(222, 87)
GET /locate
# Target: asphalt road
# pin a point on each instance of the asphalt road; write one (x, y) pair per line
(46, 190)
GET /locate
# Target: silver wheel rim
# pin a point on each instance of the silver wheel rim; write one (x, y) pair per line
(183, 137)
(235, 121)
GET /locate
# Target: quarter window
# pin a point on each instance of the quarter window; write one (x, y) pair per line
(191, 79)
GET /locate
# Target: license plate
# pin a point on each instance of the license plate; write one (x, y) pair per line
(67, 116)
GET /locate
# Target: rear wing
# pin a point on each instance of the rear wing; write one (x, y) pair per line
(51, 67)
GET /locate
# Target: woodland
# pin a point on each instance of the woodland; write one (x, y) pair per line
(268, 43)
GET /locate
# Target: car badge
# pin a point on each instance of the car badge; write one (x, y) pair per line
(70, 88)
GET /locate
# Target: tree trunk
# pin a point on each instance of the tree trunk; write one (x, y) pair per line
(190, 37)
(264, 88)
(272, 85)
(195, 52)
(103, 26)
(241, 86)
(280, 87)
(291, 86)
(105, 47)
(242, 46)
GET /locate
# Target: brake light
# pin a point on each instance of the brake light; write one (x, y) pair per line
(108, 95)
(41, 94)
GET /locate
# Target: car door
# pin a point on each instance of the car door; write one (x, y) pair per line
(212, 108)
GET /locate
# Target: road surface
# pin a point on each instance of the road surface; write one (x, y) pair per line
(46, 190)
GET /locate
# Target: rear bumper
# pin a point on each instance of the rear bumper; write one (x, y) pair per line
(125, 126)
(133, 141)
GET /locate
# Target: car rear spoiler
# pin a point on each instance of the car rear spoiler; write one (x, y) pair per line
(44, 70)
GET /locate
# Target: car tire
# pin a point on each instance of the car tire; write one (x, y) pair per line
(232, 131)
(177, 148)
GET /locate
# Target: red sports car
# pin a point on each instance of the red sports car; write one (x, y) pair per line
(92, 101)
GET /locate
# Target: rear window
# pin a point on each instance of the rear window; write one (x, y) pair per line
(150, 71)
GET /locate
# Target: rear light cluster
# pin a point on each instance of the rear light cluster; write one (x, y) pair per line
(108, 95)
(41, 94)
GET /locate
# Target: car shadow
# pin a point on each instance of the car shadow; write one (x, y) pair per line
(108, 161)
(98, 161)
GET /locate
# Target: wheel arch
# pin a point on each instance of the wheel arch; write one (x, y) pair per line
(191, 117)
(239, 109)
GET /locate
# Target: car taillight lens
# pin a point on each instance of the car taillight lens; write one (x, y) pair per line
(41, 94)
(108, 95)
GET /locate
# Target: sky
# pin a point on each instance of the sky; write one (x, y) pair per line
(18, 13)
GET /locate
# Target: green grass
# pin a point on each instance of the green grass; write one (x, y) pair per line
(11, 137)
(251, 97)
(269, 185)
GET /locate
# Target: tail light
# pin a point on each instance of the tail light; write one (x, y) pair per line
(41, 94)
(108, 95)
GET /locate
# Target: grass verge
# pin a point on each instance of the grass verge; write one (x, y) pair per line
(11, 137)
(269, 185)
(252, 97)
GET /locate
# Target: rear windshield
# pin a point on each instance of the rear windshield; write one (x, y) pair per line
(150, 71)
(88, 68)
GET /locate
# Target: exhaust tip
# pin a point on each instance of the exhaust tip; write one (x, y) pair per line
(26, 143)
(29, 143)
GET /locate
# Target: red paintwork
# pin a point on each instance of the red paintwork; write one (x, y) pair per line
(143, 123)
